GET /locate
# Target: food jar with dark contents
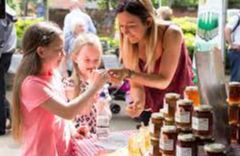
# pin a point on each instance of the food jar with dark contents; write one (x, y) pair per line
(234, 92)
(202, 121)
(183, 114)
(155, 147)
(170, 101)
(234, 133)
(215, 149)
(201, 141)
(186, 145)
(168, 140)
(233, 114)
(156, 123)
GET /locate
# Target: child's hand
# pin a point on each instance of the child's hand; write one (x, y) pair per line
(82, 132)
(98, 78)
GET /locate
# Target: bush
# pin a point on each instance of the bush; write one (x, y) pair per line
(189, 27)
(22, 25)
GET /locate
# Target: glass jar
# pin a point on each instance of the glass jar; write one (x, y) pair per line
(201, 142)
(186, 145)
(156, 123)
(168, 121)
(234, 133)
(168, 140)
(233, 114)
(191, 93)
(170, 101)
(215, 149)
(234, 92)
(202, 121)
(155, 146)
(183, 114)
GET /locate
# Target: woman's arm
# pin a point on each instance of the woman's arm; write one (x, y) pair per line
(172, 42)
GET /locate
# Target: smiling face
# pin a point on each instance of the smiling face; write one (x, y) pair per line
(132, 27)
(88, 58)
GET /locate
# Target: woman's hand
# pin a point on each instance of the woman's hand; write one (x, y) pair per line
(135, 109)
(118, 74)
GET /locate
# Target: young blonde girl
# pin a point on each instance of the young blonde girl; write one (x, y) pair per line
(86, 57)
(39, 102)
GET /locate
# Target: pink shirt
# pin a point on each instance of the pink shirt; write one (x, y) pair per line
(44, 134)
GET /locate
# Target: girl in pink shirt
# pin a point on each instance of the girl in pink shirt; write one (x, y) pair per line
(39, 101)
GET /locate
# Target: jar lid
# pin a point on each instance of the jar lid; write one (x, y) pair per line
(184, 102)
(189, 88)
(172, 96)
(168, 128)
(157, 115)
(203, 108)
(234, 83)
(214, 148)
(186, 137)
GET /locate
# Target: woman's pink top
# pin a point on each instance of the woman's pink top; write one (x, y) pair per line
(44, 134)
(182, 78)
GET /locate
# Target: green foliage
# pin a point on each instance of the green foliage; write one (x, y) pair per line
(189, 28)
(22, 25)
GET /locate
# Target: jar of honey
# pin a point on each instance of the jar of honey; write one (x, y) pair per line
(168, 121)
(234, 92)
(155, 147)
(156, 123)
(168, 140)
(233, 114)
(186, 145)
(215, 149)
(192, 93)
(183, 114)
(170, 101)
(202, 121)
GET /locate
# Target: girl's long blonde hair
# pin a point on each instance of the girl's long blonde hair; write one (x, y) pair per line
(41, 34)
(129, 52)
(82, 40)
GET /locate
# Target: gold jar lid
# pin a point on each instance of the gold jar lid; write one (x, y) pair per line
(168, 128)
(172, 96)
(190, 88)
(203, 108)
(157, 115)
(186, 137)
(214, 148)
(183, 102)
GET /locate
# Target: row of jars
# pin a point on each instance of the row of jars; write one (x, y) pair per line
(171, 144)
(187, 120)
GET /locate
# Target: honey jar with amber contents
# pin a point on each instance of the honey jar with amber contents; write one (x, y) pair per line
(170, 101)
(156, 122)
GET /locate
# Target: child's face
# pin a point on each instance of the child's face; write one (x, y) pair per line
(88, 58)
(53, 53)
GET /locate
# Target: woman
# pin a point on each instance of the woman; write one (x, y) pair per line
(154, 56)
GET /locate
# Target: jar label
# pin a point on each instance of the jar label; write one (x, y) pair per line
(182, 116)
(200, 124)
(183, 151)
(166, 144)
